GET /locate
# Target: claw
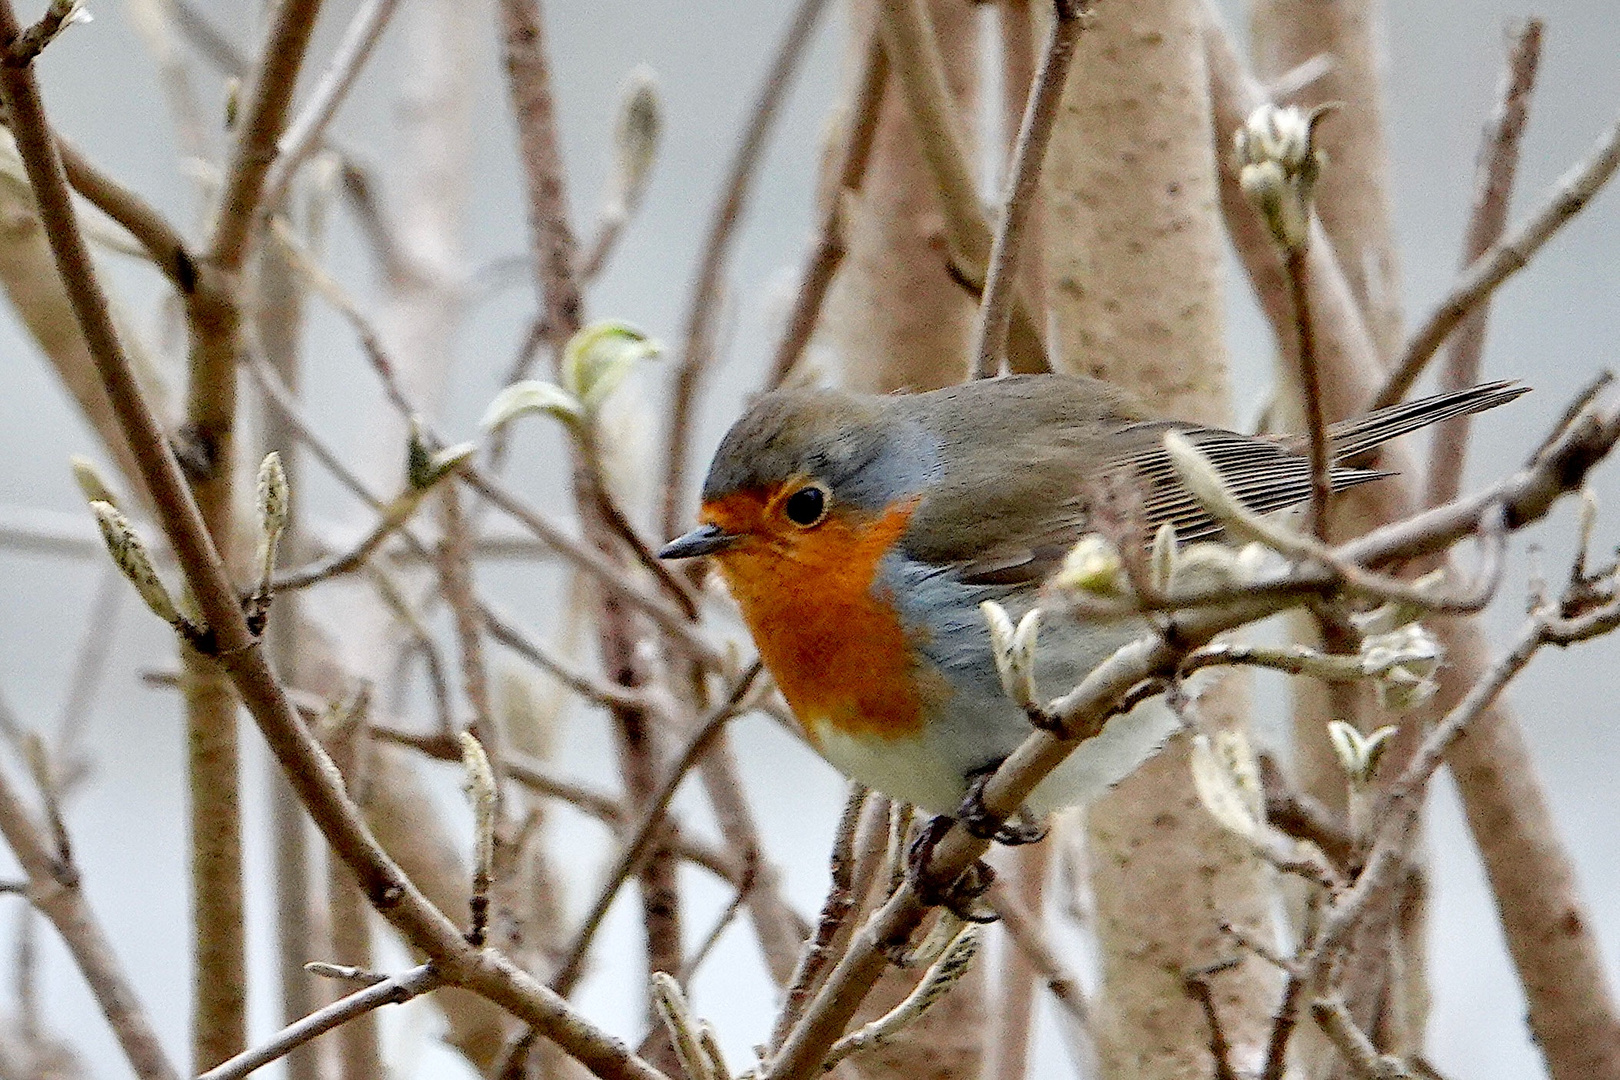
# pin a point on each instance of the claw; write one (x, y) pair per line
(979, 822)
(959, 897)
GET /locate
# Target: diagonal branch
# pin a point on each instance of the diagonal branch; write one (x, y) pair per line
(639, 841)
(242, 657)
(53, 888)
(1502, 260)
(1023, 185)
(827, 253)
(1493, 188)
(393, 991)
(262, 121)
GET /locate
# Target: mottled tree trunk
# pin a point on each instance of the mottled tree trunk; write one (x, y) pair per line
(1134, 257)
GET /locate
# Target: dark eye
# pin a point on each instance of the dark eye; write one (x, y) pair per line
(806, 507)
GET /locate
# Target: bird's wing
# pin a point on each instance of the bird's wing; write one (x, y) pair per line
(1008, 514)
(1030, 472)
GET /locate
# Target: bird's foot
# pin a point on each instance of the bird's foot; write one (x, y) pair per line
(959, 897)
(980, 822)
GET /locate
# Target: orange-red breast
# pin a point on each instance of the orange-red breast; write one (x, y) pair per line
(859, 534)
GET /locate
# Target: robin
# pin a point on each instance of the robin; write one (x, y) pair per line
(859, 535)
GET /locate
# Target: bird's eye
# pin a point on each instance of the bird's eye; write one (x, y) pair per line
(806, 507)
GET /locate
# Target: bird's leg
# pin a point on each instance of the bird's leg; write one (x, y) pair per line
(959, 897)
(980, 822)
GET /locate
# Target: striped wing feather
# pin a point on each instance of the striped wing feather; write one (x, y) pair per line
(996, 526)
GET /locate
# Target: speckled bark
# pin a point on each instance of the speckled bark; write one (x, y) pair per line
(1134, 257)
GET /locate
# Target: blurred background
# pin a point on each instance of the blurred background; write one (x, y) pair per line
(1554, 326)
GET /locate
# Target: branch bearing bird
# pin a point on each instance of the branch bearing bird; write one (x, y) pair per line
(859, 534)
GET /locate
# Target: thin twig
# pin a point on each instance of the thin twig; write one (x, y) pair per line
(1357, 1050)
(1347, 354)
(239, 653)
(1393, 820)
(639, 840)
(53, 888)
(595, 690)
(1030, 939)
(703, 310)
(1501, 261)
(779, 929)
(828, 250)
(264, 115)
(484, 482)
(835, 911)
(393, 991)
(739, 897)
(421, 641)
(1017, 977)
(1284, 1021)
(303, 136)
(281, 396)
(155, 21)
(614, 577)
(89, 665)
(1296, 269)
(1196, 984)
(393, 518)
(1034, 133)
(607, 509)
(539, 778)
(1303, 818)
(919, 70)
(32, 41)
(161, 240)
(457, 588)
(344, 730)
(208, 39)
(556, 262)
(1493, 189)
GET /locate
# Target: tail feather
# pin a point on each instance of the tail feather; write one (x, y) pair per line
(1352, 438)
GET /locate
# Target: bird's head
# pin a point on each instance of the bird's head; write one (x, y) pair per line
(802, 473)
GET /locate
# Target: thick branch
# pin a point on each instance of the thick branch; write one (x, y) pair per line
(242, 657)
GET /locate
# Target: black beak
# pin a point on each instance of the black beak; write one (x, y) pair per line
(703, 540)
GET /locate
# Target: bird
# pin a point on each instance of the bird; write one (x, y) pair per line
(859, 534)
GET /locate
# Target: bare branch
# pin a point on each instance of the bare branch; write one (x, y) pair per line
(639, 841)
(1023, 185)
(303, 136)
(53, 888)
(262, 120)
(835, 911)
(392, 991)
(704, 308)
(1493, 188)
(239, 654)
(919, 71)
(827, 252)
(1501, 261)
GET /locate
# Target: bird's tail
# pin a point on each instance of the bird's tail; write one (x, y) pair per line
(1351, 438)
